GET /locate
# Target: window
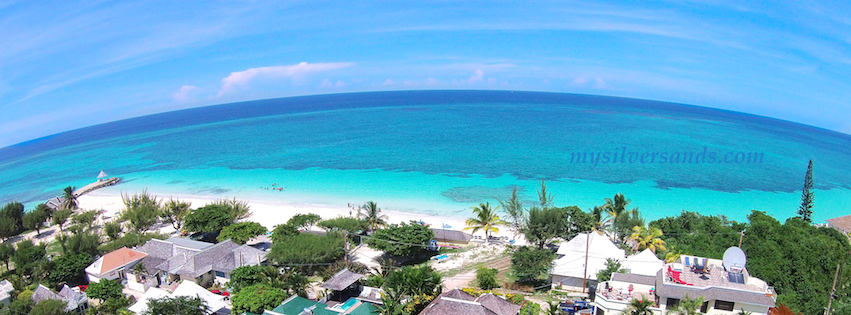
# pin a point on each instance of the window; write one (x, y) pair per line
(220, 274)
(600, 311)
(724, 305)
(704, 307)
(672, 303)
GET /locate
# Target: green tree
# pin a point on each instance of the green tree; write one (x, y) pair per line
(805, 211)
(486, 219)
(687, 306)
(544, 199)
(283, 232)
(486, 278)
(14, 211)
(69, 200)
(238, 209)
(141, 210)
(209, 219)
(49, 307)
(616, 209)
(578, 221)
(7, 251)
(530, 263)
(247, 276)
(307, 248)
(699, 235)
(241, 232)
(27, 257)
(86, 218)
(48, 211)
(351, 225)
(401, 239)
(179, 305)
(304, 221)
(391, 303)
(80, 242)
(544, 225)
(612, 266)
(34, 220)
(8, 228)
(415, 280)
(639, 307)
(112, 230)
(105, 289)
(513, 207)
(174, 212)
(257, 298)
(642, 238)
(530, 308)
(61, 217)
(371, 214)
(69, 267)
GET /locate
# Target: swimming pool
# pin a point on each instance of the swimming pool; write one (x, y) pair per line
(351, 302)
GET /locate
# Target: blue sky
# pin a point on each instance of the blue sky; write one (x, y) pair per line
(67, 65)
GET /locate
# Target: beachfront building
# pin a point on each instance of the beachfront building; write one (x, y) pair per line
(169, 261)
(841, 224)
(115, 265)
(725, 289)
(569, 269)
(644, 263)
(451, 236)
(296, 305)
(75, 300)
(343, 285)
(456, 301)
(216, 303)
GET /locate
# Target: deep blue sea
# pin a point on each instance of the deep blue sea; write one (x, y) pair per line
(441, 152)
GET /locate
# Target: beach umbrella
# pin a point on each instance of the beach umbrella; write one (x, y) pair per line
(447, 226)
(102, 174)
(421, 222)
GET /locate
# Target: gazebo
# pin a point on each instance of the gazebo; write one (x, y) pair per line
(102, 176)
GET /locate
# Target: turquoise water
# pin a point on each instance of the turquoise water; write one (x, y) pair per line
(351, 302)
(441, 152)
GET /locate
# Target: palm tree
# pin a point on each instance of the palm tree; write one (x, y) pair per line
(553, 308)
(486, 219)
(69, 200)
(642, 238)
(639, 307)
(672, 255)
(687, 306)
(600, 225)
(616, 209)
(370, 213)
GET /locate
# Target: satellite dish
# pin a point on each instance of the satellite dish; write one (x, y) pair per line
(735, 259)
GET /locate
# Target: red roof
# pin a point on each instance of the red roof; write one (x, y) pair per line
(120, 257)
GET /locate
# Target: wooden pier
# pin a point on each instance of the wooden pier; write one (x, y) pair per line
(98, 184)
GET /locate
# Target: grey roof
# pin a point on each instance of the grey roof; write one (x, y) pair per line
(342, 280)
(72, 298)
(498, 305)
(711, 293)
(451, 236)
(458, 294)
(449, 306)
(185, 259)
(634, 278)
(6, 288)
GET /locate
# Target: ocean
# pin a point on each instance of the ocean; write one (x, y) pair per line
(442, 152)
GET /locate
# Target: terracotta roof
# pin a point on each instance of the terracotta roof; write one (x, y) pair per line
(456, 301)
(842, 223)
(120, 257)
(498, 305)
(459, 295)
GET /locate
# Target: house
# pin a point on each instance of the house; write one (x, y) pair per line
(216, 303)
(73, 298)
(114, 265)
(725, 288)
(344, 285)
(456, 301)
(175, 259)
(451, 236)
(569, 268)
(842, 224)
(644, 263)
(6, 289)
(296, 305)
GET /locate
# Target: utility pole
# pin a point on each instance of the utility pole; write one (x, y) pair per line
(742, 233)
(585, 275)
(832, 291)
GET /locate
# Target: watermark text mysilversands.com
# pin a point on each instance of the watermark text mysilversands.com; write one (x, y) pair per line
(622, 155)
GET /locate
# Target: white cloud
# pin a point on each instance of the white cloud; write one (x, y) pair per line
(491, 80)
(432, 81)
(477, 76)
(600, 84)
(244, 78)
(580, 81)
(185, 92)
(328, 84)
(388, 82)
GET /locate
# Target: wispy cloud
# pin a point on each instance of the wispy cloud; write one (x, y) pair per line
(244, 78)
(185, 93)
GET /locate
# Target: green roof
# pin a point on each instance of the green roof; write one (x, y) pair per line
(365, 308)
(297, 304)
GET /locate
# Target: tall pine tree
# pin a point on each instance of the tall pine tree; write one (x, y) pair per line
(806, 209)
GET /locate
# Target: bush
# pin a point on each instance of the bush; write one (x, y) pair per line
(257, 298)
(486, 278)
(105, 289)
